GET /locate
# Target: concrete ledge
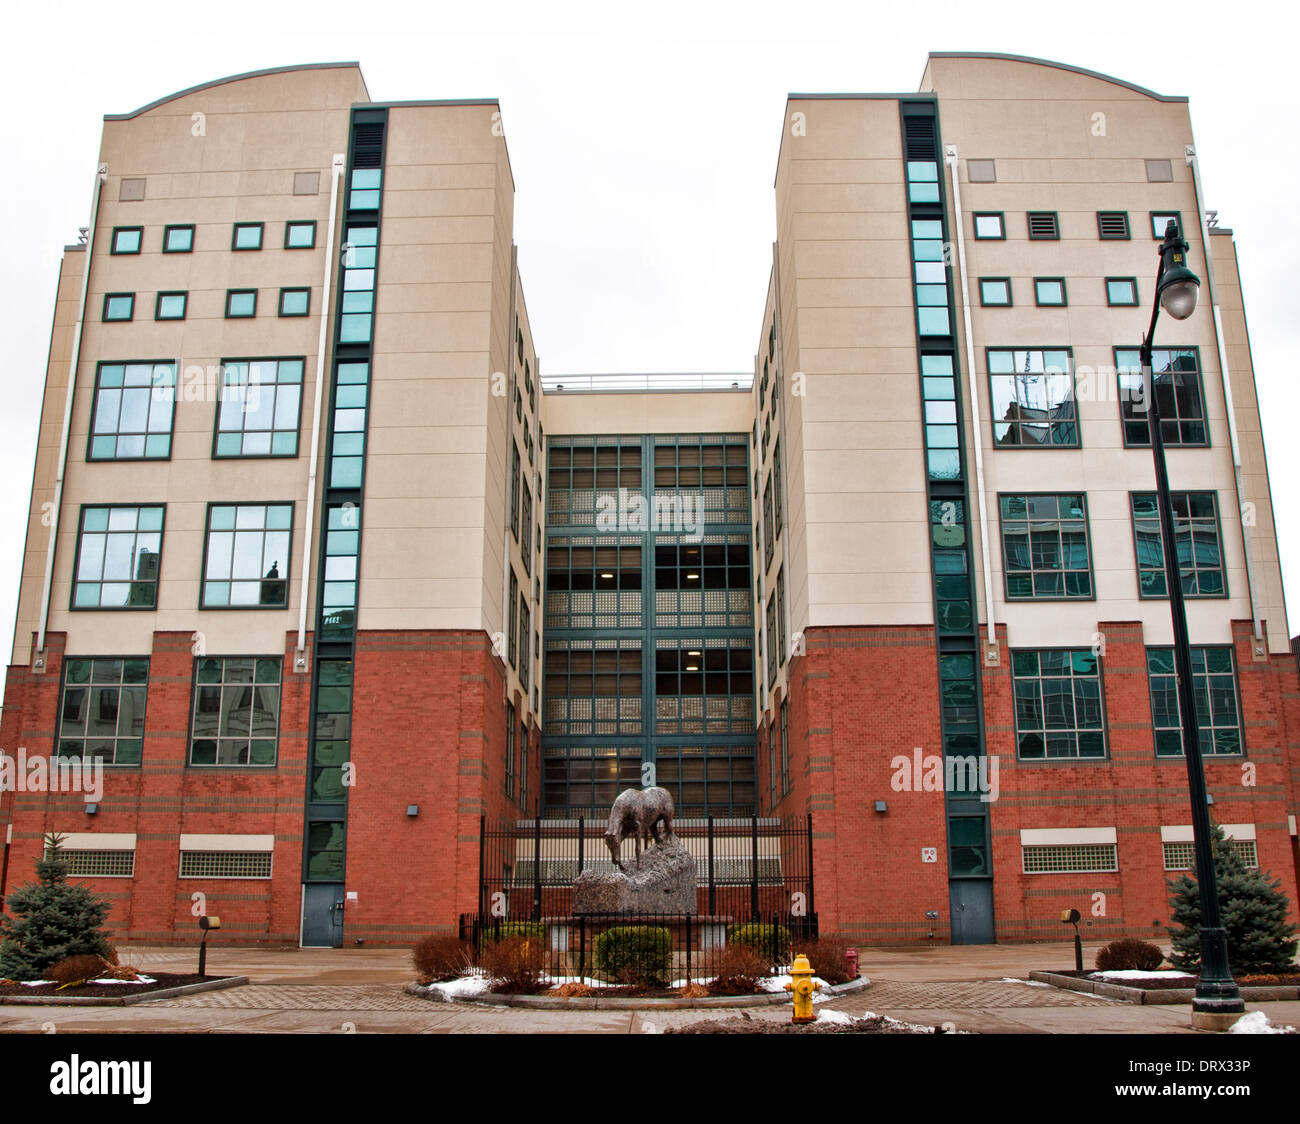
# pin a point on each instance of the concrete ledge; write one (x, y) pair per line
(125, 1000)
(1169, 996)
(595, 1003)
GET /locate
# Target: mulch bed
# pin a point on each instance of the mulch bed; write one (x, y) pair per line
(1158, 984)
(745, 1025)
(163, 980)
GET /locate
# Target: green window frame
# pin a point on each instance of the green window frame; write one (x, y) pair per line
(1121, 292)
(246, 236)
(360, 258)
(786, 783)
(512, 627)
(260, 409)
(702, 687)
(1160, 220)
(102, 709)
(126, 240)
(1032, 394)
(594, 690)
(769, 524)
(1218, 704)
(295, 302)
(300, 235)
(771, 641)
(968, 854)
(133, 411)
(241, 304)
(1200, 544)
(922, 186)
(244, 547)
(118, 308)
(1047, 289)
(510, 750)
(702, 584)
(170, 306)
(526, 528)
(989, 226)
(1180, 394)
(235, 714)
(783, 648)
(995, 292)
(515, 461)
(1046, 553)
(591, 586)
(776, 486)
(364, 189)
(178, 239)
(1059, 705)
(119, 557)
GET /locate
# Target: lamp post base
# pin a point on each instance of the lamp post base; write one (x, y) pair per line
(1214, 1020)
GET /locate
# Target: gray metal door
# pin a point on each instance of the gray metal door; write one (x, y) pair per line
(971, 902)
(322, 915)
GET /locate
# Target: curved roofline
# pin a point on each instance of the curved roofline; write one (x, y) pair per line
(232, 78)
(1057, 66)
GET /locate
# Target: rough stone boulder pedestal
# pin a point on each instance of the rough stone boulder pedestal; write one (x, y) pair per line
(664, 883)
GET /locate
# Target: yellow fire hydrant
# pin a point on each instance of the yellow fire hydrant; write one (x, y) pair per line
(801, 988)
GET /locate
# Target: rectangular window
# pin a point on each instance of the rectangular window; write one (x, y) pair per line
(1045, 546)
(995, 291)
(1112, 225)
(922, 181)
(240, 303)
(1070, 858)
(365, 188)
(769, 532)
(525, 631)
(512, 640)
(785, 748)
(1176, 373)
(360, 258)
(776, 485)
(119, 306)
(98, 864)
(1058, 705)
(261, 400)
(1196, 531)
(510, 749)
(236, 717)
(1049, 291)
(170, 306)
(178, 239)
(1032, 394)
(1043, 226)
(131, 415)
(119, 555)
(526, 529)
(101, 712)
(1182, 855)
(771, 642)
(126, 239)
(1121, 291)
(225, 864)
(990, 226)
(246, 552)
(514, 490)
(295, 302)
(299, 235)
(782, 650)
(247, 236)
(1160, 221)
(1218, 715)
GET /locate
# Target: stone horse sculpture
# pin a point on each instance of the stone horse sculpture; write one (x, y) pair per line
(638, 812)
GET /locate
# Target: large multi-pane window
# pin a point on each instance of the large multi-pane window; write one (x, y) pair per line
(938, 382)
(1032, 393)
(704, 687)
(931, 278)
(593, 586)
(776, 487)
(261, 402)
(702, 584)
(131, 417)
(526, 528)
(705, 777)
(510, 750)
(101, 713)
(1218, 715)
(785, 747)
(512, 637)
(236, 719)
(593, 687)
(247, 556)
(952, 590)
(771, 642)
(119, 556)
(1045, 546)
(525, 632)
(360, 255)
(514, 490)
(1176, 373)
(1196, 531)
(1058, 704)
(782, 650)
(716, 469)
(577, 473)
(769, 529)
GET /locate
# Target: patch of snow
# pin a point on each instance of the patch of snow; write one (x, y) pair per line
(777, 983)
(1258, 1023)
(1137, 974)
(141, 980)
(830, 1016)
(1027, 983)
(466, 985)
(37, 983)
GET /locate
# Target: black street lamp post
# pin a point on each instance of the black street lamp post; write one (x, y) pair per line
(1216, 990)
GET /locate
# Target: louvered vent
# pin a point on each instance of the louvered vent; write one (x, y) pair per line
(368, 145)
(1042, 224)
(920, 138)
(1112, 224)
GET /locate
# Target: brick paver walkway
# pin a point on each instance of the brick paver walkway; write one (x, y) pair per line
(303, 997)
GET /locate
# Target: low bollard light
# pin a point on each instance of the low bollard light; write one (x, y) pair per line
(207, 924)
(1071, 917)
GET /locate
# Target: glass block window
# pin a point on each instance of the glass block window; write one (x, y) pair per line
(1032, 393)
(941, 439)
(968, 852)
(119, 556)
(1049, 291)
(236, 719)
(101, 713)
(704, 687)
(241, 303)
(990, 226)
(1196, 531)
(1045, 546)
(931, 278)
(131, 417)
(1121, 291)
(995, 291)
(578, 474)
(704, 584)
(716, 470)
(261, 403)
(247, 553)
(593, 582)
(707, 780)
(1181, 855)
(118, 306)
(1058, 704)
(1070, 858)
(365, 187)
(299, 235)
(178, 239)
(1176, 373)
(126, 239)
(1218, 714)
(586, 779)
(247, 236)
(360, 257)
(952, 590)
(295, 302)
(97, 864)
(170, 306)
(225, 864)
(593, 690)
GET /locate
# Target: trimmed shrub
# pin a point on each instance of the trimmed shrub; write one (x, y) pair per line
(515, 965)
(770, 941)
(739, 970)
(826, 956)
(441, 956)
(635, 954)
(1129, 954)
(78, 969)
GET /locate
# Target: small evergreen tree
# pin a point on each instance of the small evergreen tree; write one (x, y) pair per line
(1254, 912)
(54, 919)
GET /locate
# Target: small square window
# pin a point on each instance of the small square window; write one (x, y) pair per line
(1121, 290)
(1043, 226)
(170, 306)
(1112, 225)
(299, 235)
(995, 291)
(178, 239)
(119, 306)
(1049, 291)
(981, 171)
(247, 236)
(1160, 221)
(127, 239)
(240, 303)
(990, 226)
(1160, 171)
(295, 302)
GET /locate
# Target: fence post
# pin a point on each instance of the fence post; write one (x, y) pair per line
(582, 948)
(537, 868)
(753, 871)
(688, 950)
(713, 904)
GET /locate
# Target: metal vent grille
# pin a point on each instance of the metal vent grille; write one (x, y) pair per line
(920, 138)
(1112, 224)
(1042, 224)
(367, 145)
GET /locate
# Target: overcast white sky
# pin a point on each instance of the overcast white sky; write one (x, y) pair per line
(643, 140)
